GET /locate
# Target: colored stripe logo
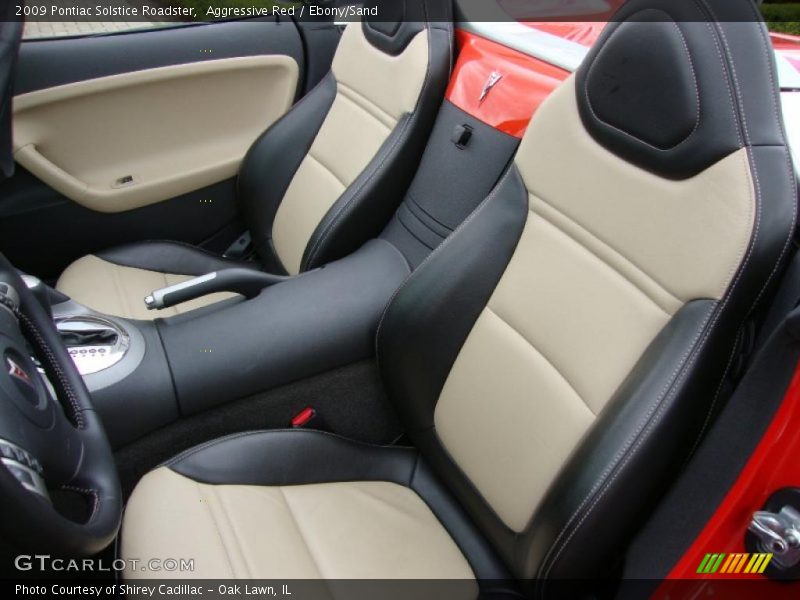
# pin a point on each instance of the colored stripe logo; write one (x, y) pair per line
(729, 564)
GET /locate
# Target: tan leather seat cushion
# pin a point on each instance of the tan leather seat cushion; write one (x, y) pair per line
(116, 290)
(351, 530)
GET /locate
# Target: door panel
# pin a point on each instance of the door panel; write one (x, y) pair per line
(125, 141)
(42, 229)
(42, 232)
(52, 62)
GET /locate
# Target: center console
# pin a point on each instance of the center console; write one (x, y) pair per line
(144, 375)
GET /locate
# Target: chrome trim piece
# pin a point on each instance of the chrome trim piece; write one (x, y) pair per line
(778, 533)
(156, 298)
(132, 359)
(94, 358)
(494, 79)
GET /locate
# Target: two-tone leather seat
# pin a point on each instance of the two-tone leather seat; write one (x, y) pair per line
(322, 180)
(555, 359)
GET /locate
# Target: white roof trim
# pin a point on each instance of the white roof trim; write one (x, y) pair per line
(539, 44)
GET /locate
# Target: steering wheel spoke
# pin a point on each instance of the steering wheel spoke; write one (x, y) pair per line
(47, 442)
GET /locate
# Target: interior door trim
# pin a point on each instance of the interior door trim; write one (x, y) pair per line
(125, 141)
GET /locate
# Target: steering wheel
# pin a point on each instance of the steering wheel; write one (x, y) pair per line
(51, 438)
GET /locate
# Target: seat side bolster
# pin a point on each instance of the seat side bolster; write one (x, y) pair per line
(271, 163)
(293, 457)
(298, 457)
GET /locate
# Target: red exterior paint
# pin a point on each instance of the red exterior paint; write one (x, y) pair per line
(787, 46)
(510, 105)
(784, 41)
(527, 81)
(587, 32)
(773, 465)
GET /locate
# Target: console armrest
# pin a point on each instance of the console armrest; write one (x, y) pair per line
(246, 282)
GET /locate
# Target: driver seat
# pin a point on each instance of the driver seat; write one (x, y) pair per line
(555, 360)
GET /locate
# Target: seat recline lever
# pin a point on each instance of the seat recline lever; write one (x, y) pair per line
(246, 282)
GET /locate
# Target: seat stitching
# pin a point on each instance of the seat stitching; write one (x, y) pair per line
(787, 156)
(538, 351)
(123, 300)
(384, 156)
(426, 212)
(787, 244)
(605, 243)
(300, 532)
(632, 443)
(400, 219)
(391, 504)
(337, 177)
(414, 235)
(655, 411)
(436, 252)
(557, 547)
(619, 272)
(365, 104)
(204, 500)
(194, 450)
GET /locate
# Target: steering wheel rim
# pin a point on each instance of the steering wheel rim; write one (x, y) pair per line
(64, 434)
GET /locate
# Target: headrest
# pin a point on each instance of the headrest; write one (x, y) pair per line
(398, 21)
(671, 85)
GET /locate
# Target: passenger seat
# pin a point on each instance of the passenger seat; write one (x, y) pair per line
(322, 180)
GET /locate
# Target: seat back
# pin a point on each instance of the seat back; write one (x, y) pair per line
(557, 357)
(329, 175)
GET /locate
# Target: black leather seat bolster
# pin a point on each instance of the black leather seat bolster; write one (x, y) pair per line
(446, 294)
(368, 204)
(170, 257)
(298, 456)
(450, 182)
(293, 457)
(271, 163)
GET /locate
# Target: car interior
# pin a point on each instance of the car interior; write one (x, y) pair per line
(285, 308)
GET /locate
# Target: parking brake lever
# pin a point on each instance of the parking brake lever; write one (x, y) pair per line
(246, 282)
